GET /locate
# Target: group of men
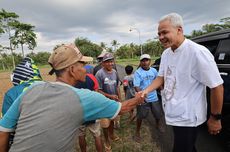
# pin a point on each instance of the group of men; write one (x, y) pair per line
(47, 115)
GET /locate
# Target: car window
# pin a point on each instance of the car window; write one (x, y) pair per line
(222, 55)
(211, 45)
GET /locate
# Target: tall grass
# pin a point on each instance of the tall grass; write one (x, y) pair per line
(127, 144)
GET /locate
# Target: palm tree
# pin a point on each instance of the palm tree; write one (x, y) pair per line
(115, 44)
(1, 25)
(132, 47)
(103, 45)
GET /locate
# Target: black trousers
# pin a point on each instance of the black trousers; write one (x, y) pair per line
(185, 139)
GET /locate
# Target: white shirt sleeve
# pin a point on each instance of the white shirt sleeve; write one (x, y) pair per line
(206, 70)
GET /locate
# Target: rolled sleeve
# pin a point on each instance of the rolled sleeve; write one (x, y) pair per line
(206, 70)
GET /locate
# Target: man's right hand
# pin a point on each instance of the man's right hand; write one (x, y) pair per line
(114, 97)
(214, 126)
(143, 93)
(139, 97)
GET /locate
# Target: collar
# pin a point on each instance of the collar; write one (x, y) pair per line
(145, 69)
(106, 71)
(181, 47)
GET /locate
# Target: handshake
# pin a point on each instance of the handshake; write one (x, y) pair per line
(128, 105)
(140, 96)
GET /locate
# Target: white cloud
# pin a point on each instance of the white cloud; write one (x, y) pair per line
(60, 21)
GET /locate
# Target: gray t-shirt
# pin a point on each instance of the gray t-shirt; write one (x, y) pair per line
(47, 115)
(108, 81)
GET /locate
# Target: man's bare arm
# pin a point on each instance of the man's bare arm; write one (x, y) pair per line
(128, 105)
(159, 81)
(110, 96)
(216, 102)
(4, 141)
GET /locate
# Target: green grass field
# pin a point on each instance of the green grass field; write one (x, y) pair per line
(127, 144)
(133, 62)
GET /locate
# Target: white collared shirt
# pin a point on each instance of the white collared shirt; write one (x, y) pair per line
(187, 71)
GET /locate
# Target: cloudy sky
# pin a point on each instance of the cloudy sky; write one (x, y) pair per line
(61, 21)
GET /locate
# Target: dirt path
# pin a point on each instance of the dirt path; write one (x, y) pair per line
(5, 83)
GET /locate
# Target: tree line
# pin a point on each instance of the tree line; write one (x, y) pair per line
(208, 28)
(21, 35)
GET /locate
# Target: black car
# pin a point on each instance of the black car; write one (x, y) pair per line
(219, 45)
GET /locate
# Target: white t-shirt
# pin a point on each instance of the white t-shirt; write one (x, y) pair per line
(187, 71)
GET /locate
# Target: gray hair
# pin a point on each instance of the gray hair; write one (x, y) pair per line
(175, 19)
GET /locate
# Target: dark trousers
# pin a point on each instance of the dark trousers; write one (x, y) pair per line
(184, 139)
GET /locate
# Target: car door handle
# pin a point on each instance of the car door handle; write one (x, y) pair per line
(224, 73)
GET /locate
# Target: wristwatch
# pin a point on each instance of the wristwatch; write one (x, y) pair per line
(216, 116)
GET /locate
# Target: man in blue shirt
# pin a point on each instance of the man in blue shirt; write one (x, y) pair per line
(143, 77)
(47, 115)
(25, 73)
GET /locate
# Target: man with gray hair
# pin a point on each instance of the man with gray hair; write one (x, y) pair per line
(186, 69)
(47, 115)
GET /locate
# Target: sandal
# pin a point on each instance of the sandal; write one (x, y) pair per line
(108, 149)
(137, 139)
(115, 138)
(132, 119)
